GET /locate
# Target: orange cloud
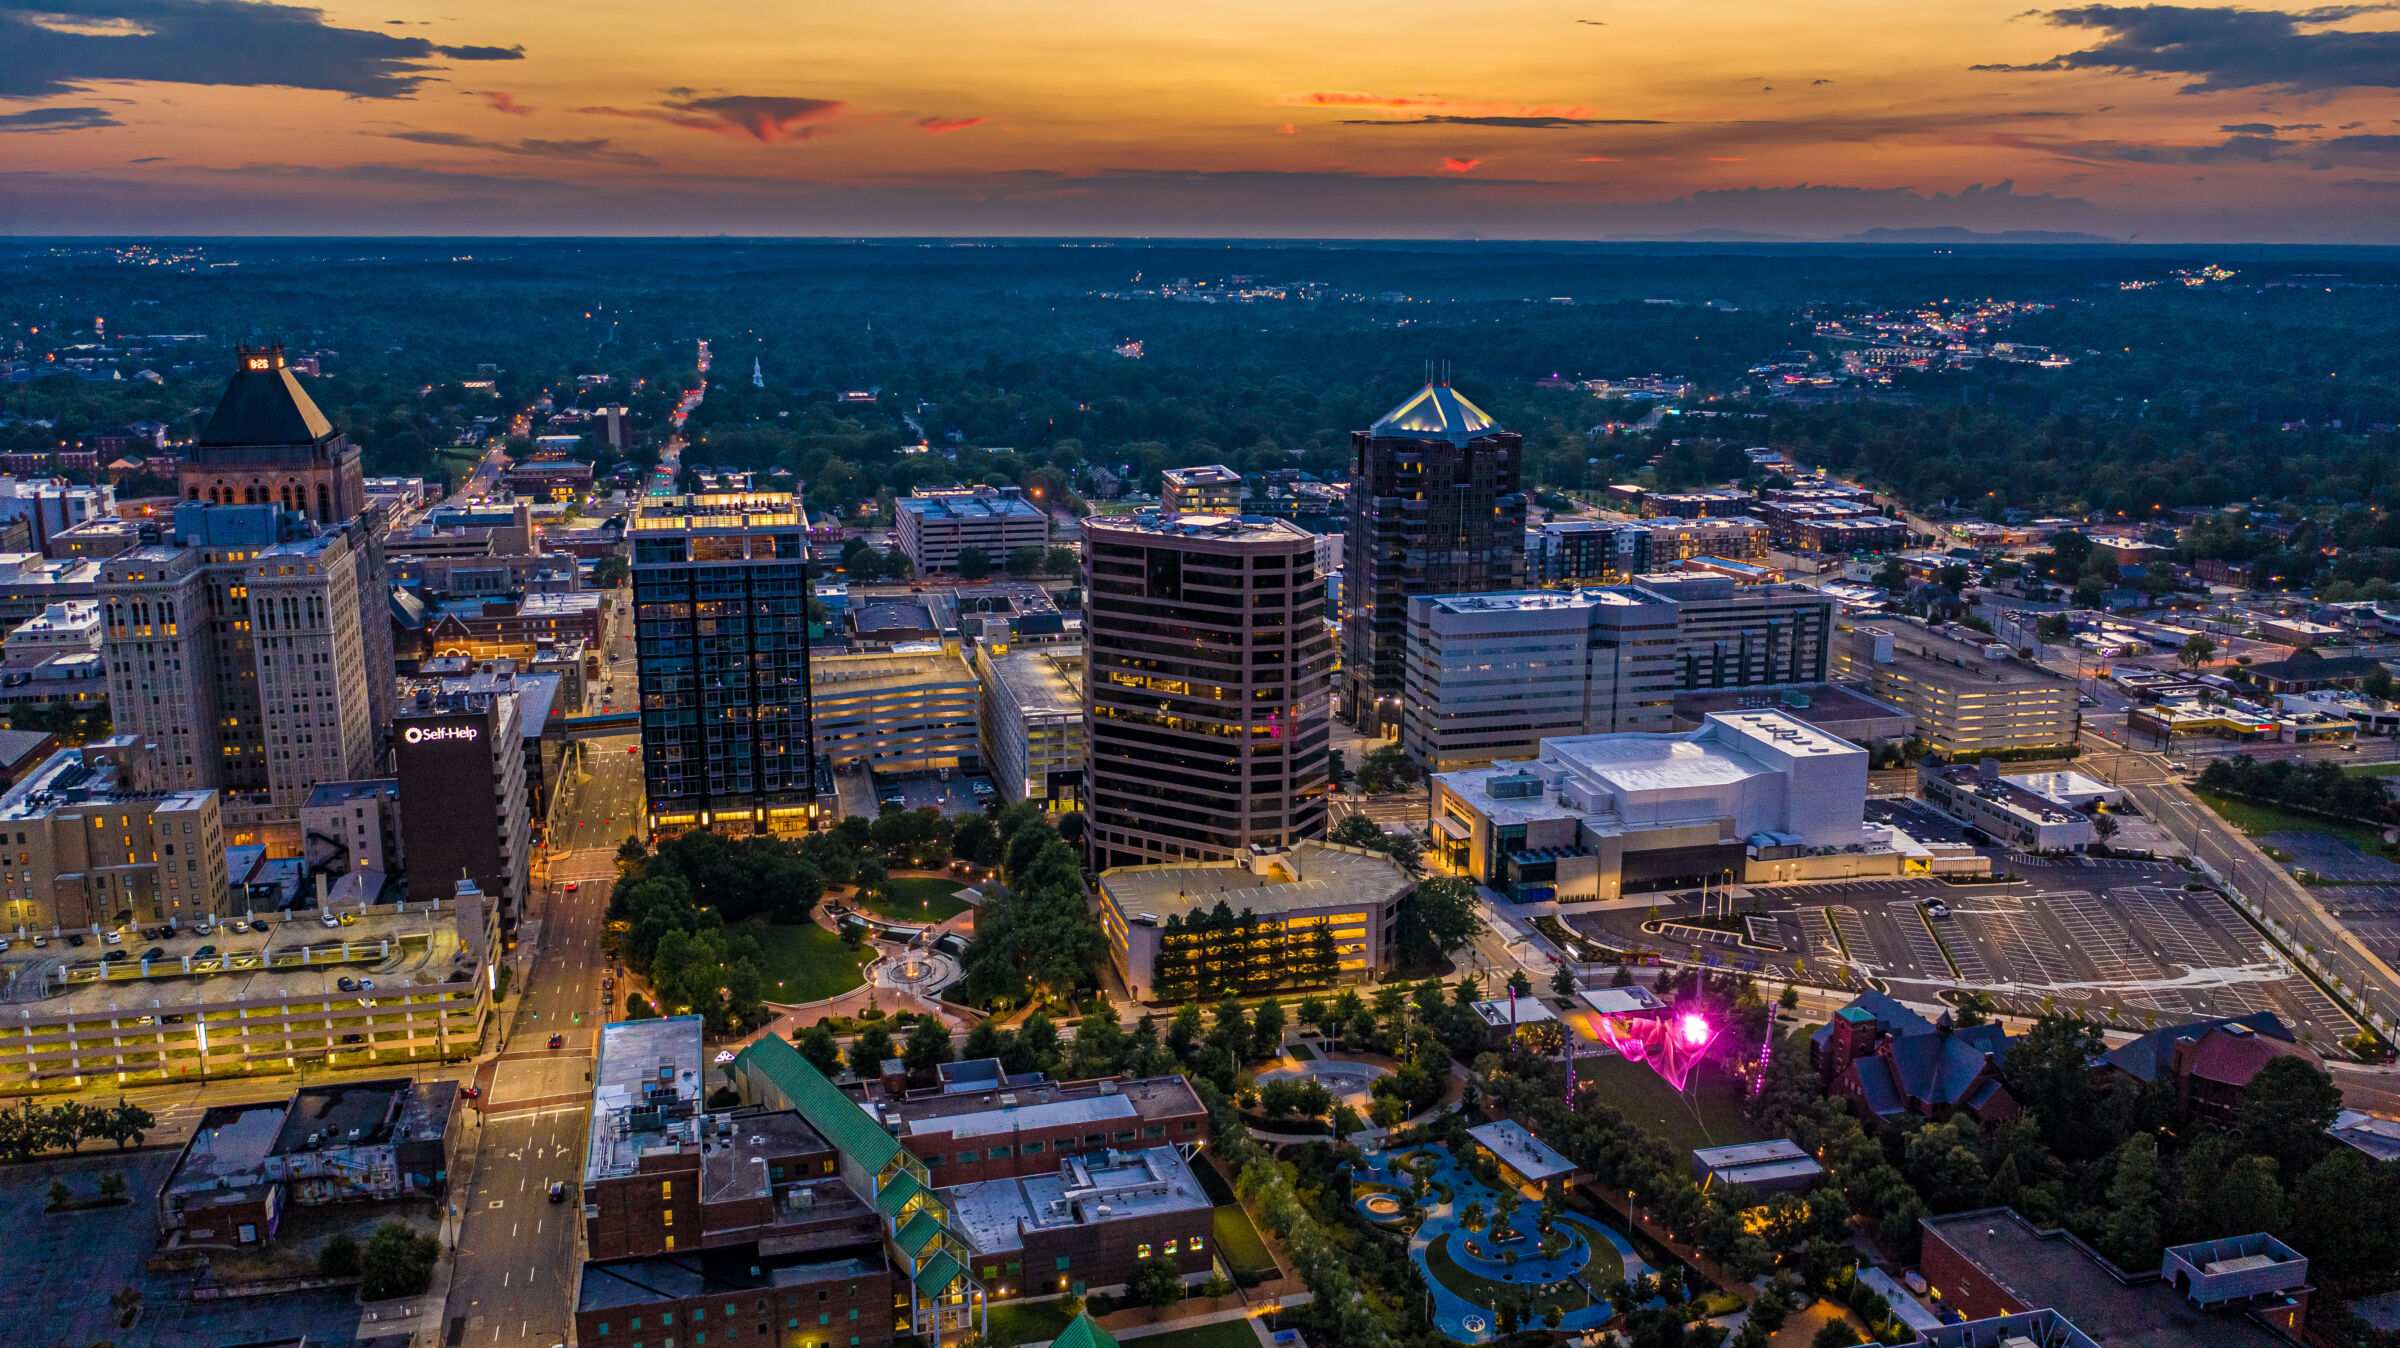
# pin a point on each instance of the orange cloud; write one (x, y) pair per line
(943, 126)
(765, 119)
(1471, 107)
(1727, 159)
(1460, 165)
(1599, 159)
(507, 103)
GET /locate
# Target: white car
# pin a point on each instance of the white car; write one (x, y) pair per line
(113, 938)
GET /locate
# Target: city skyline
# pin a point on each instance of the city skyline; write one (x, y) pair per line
(1523, 120)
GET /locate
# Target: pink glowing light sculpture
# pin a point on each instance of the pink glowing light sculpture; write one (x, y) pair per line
(1668, 1045)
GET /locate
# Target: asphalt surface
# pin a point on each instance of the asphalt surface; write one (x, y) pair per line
(517, 1251)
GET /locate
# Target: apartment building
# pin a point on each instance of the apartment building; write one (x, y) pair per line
(1032, 721)
(720, 595)
(1731, 635)
(1206, 659)
(1966, 699)
(1589, 552)
(90, 836)
(936, 525)
(1436, 507)
(353, 826)
(1739, 538)
(1211, 490)
(908, 710)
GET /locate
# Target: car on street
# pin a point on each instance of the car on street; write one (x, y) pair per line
(471, 1092)
(558, 1041)
(558, 1191)
(572, 886)
(607, 984)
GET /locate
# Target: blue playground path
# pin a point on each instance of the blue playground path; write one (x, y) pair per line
(1454, 1315)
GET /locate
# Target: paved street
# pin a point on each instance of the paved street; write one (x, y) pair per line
(517, 1251)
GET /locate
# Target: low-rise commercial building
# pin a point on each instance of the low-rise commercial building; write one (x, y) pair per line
(2017, 1283)
(982, 1124)
(1753, 794)
(1966, 700)
(1032, 721)
(912, 709)
(936, 526)
(365, 1139)
(1310, 915)
(1776, 1167)
(1978, 795)
(219, 1192)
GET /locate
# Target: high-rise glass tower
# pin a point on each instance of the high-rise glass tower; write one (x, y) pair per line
(720, 603)
(1435, 508)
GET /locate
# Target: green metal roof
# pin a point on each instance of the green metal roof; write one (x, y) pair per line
(919, 1232)
(822, 1103)
(896, 1192)
(1083, 1332)
(938, 1275)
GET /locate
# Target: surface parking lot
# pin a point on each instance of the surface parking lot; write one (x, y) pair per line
(2120, 940)
(64, 1266)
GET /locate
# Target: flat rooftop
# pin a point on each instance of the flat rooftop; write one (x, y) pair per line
(641, 1063)
(1042, 682)
(1923, 655)
(964, 508)
(1318, 875)
(2048, 1272)
(1225, 528)
(612, 1283)
(1749, 1153)
(1521, 1151)
(230, 1145)
(1514, 1011)
(358, 1113)
(425, 951)
(970, 1110)
(1828, 704)
(1544, 601)
(835, 675)
(718, 511)
(1085, 1191)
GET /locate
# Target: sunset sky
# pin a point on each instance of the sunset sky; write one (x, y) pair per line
(1331, 118)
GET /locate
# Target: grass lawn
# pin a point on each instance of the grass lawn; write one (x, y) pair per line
(1486, 1293)
(1245, 1253)
(1015, 1322)
(805, 962)
(2256, 820)
(1709, 1114)
(914, 898)
(1223, 1334)
(1302, 1053)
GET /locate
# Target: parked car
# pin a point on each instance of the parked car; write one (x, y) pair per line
(113, 938)
(345, 985)
(75, 939)
(242, 959)
(156, 952)
(112, 957)
(40, 942)
(240, 926)
(204, 952)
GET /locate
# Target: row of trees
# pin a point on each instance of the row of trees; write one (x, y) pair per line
(2314, 785)
(30, 1127)
(1036, 941)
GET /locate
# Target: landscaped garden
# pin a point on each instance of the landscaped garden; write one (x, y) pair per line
(1482, 1248)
